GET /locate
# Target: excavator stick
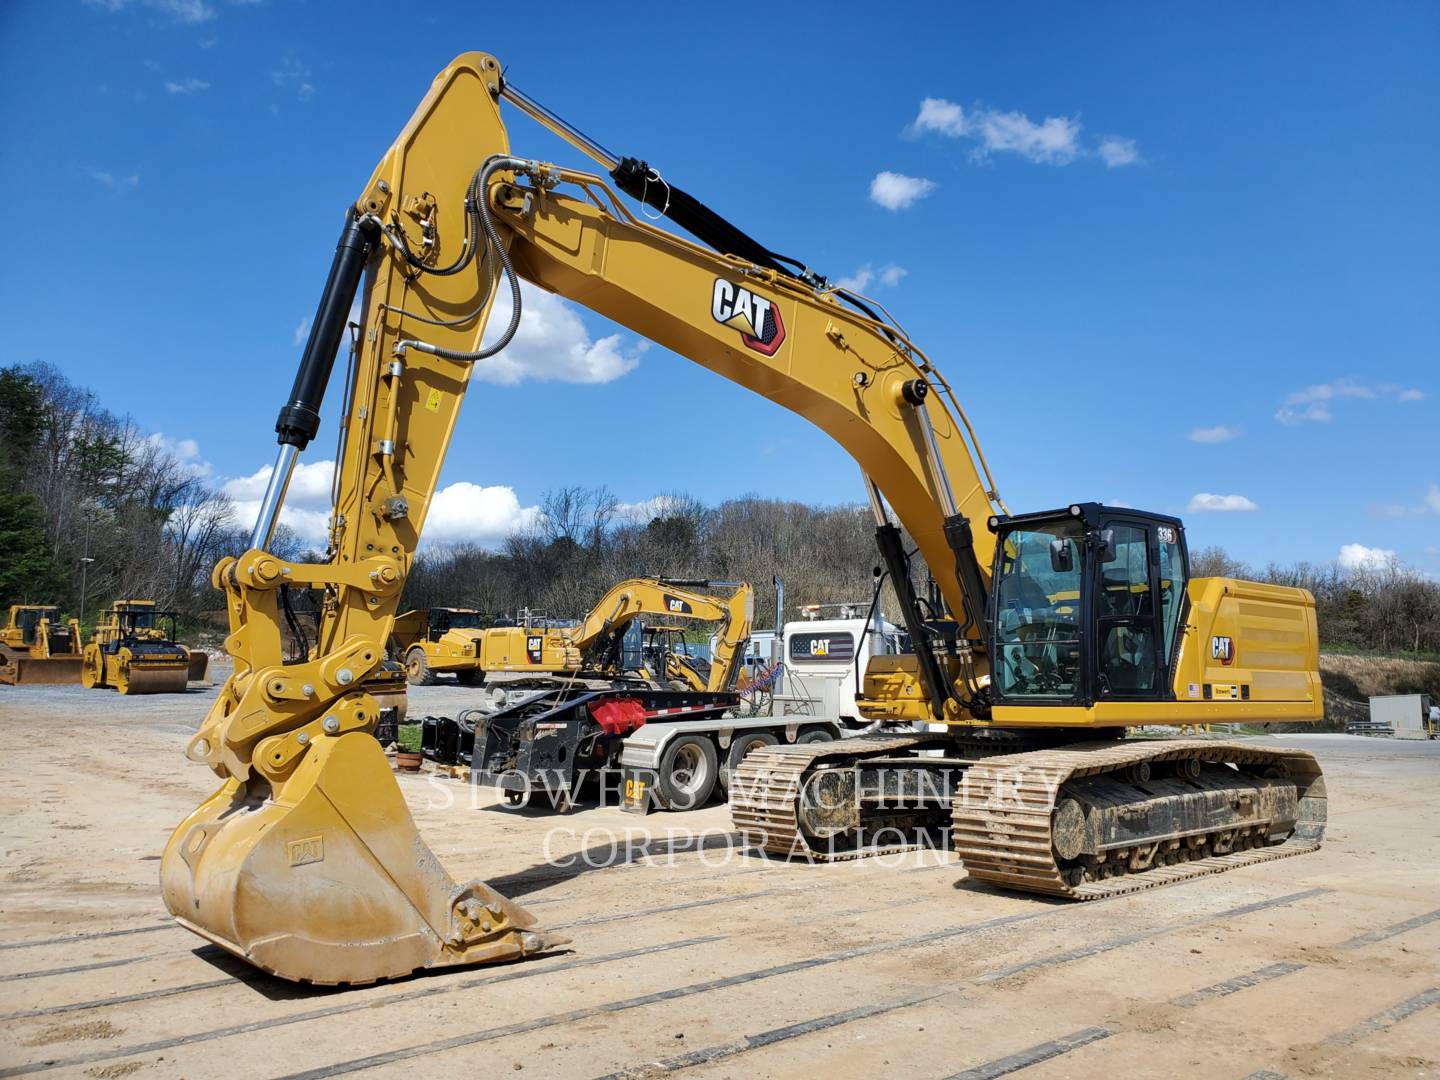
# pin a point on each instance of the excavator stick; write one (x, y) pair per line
(325, 879)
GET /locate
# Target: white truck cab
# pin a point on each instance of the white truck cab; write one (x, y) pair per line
(820, 650)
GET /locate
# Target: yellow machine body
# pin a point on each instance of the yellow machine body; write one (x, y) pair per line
(131, 652)
(36, 647)
(439, 641)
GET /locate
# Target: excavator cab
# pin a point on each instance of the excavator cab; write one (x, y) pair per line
(1086, 606)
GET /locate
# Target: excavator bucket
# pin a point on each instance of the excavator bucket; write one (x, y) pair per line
(325, 879)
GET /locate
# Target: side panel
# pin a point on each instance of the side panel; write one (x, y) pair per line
(1248, 641)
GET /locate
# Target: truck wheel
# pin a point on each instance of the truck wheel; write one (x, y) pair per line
(688, 771)
(740, 748)
(815, 734)
(417, 668)
(470, 676)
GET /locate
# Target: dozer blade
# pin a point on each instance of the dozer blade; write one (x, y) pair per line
(153, 680)
(325, 879)
(54, 671)
(199, 667)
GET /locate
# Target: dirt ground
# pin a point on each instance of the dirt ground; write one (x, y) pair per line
(699, 958)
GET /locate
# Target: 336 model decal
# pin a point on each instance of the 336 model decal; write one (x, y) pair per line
(757, 319)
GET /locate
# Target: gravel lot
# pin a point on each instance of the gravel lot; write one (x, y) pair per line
(697, 957)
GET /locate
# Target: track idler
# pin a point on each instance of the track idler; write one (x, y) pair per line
(321, 876)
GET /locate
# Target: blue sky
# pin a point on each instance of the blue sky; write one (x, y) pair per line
(1188, 262)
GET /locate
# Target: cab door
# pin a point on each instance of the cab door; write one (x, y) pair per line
(1131, 660)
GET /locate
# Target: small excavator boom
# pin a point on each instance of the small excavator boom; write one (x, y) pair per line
(595, 646)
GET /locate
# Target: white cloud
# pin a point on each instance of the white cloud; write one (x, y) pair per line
(309, 485)
(469, 513)
(896, 191)
(1430, 504)
(117, 184)
(647, 510)
(189, 12)
(189, 86)
(1356, 556)
(889, 276)
(946, 117)
(1118, 152)
(1316, 403)
(302, 331)
(461, 512)
(1206, 503)
(1217, 434)
(553, 344)
(293, 75)
(1052, 141)
(184, 451)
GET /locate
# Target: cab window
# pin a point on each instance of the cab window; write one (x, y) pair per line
(1037, 611)
(1172, 585)
(1129, 657)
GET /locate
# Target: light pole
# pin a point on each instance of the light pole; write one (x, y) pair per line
(85, 562)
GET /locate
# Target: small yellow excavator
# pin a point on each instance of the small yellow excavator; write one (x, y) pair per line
(37, 647)
(134, 650)
(1048, 636)
(535, 653)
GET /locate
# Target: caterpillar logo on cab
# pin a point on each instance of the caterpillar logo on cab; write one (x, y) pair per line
(1222, 649)
(757, 319)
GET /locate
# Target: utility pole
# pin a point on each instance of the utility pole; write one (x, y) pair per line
(85, 562)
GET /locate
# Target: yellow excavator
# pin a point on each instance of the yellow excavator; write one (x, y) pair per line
(131, 652)
(1048, 636)
(37, 647)
(535, 653)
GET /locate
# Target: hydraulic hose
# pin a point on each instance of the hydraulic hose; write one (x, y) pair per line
(479, 203)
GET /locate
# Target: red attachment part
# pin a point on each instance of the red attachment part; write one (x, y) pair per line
(618, 716)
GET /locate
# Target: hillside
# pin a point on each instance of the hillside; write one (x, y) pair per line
(1350, 679)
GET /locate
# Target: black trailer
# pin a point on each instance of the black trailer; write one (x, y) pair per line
(555, 742)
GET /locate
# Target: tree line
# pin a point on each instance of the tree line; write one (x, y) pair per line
(93, 508)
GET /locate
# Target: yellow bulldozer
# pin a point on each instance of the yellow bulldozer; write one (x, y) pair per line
(134, 651)
(37, 647)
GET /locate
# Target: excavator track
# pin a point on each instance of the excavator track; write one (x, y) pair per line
(765, 794)
(1004, 821)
